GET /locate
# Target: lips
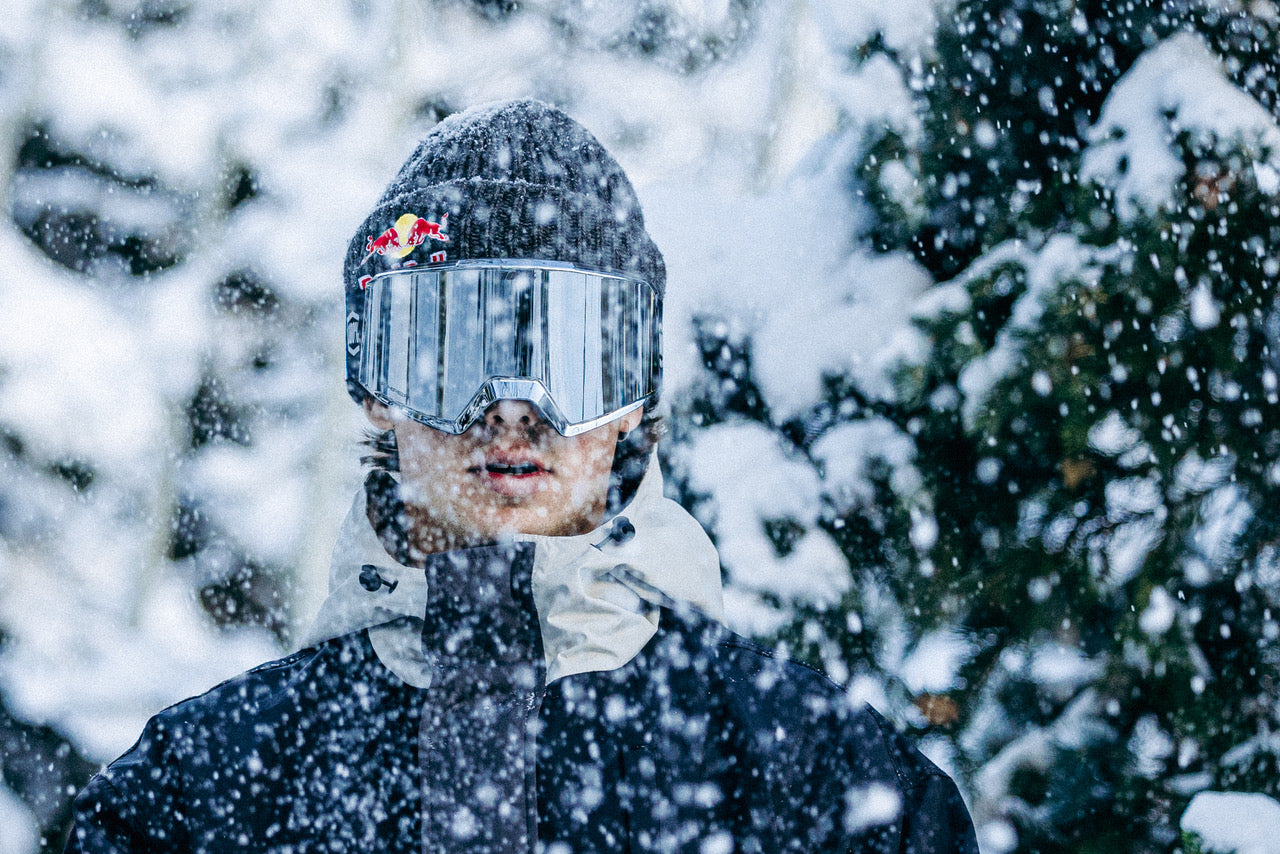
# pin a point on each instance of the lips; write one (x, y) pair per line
(512, 475)
(513, 469)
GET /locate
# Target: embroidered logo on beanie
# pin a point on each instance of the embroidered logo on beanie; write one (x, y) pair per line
(409, 232)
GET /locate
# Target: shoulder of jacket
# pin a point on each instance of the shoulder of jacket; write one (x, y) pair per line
(268, 678)
(765, 667)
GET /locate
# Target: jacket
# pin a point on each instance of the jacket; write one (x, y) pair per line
(537, 695)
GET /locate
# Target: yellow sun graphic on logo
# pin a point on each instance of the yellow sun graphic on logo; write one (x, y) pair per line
(403, 224)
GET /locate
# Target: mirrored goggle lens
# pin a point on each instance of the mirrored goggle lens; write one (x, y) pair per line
(444, 343)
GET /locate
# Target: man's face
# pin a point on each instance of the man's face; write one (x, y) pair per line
(510, 472)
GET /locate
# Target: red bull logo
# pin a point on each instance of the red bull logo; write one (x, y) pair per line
(409, 232)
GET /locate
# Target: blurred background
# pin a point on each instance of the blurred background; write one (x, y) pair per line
(971, 361)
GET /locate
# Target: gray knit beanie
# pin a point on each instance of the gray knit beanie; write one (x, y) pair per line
(513, 180)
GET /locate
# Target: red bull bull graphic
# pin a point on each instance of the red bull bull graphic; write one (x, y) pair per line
(409, 232)
(422, 229)
(382, 244)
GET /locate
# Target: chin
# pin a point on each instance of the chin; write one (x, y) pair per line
(535, 521)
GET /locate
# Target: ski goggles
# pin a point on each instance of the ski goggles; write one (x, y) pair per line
(443, 343)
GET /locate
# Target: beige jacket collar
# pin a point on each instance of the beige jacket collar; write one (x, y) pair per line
(597, 598)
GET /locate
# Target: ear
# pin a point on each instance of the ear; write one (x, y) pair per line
(378, 414)
(629, 422)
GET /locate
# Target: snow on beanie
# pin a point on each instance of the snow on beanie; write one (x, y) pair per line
(518, 179)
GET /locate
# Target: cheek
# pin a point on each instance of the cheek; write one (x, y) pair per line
(431, 451)
(431, 467)
(591, 463)
(597, 457)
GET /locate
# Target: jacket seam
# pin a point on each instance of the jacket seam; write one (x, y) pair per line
(529, 746)
(769, 654)
(913, 782)
(279, 663)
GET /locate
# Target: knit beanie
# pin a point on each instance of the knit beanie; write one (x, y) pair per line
(516, 180)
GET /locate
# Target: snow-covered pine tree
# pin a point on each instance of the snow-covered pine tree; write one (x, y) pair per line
(1092, 423)
(1057, 556)
(788, 442)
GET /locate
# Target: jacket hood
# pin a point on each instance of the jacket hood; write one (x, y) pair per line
(597, 595)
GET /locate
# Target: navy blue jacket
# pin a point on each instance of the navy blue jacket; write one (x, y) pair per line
(702, 743)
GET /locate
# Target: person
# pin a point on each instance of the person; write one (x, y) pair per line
(522, 649)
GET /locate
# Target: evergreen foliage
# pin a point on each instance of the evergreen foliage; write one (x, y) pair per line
(1092, 418)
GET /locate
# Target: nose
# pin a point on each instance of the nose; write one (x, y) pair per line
(512, 413)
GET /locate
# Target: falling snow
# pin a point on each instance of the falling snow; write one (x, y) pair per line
(970, 367)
